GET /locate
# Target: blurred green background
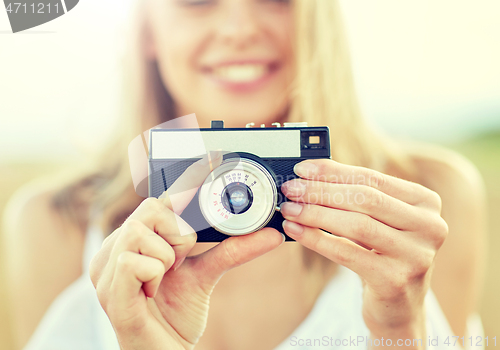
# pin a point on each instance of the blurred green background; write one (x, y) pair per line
(483, 151)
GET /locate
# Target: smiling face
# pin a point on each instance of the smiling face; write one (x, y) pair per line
(225, 60)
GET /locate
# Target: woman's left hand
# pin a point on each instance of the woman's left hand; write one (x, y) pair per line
(385, 229)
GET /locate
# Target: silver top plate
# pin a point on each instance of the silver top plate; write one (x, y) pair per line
(168, 144)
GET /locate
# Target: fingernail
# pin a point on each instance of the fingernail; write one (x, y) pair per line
(211, 157)
(216, 154)
(284, 238)
(305, 169)
(291, 209)
(178, 263)
(294, 188)
(292, 228)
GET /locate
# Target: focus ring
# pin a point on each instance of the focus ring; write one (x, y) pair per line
(238, 197)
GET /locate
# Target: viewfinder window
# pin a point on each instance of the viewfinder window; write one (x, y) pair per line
(313, 140)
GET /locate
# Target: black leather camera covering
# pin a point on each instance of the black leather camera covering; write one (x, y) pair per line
(165, 172)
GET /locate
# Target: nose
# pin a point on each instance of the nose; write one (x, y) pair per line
(239, 23)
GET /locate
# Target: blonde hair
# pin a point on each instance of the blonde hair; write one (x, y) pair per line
(322, 93)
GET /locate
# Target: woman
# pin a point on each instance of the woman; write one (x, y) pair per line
(257, 61)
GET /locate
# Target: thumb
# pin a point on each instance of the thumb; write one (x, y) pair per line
(182, 191)
(209, 266)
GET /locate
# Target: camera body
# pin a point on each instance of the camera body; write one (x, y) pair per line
(243, 194)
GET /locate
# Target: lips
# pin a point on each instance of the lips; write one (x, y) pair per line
(241, 75)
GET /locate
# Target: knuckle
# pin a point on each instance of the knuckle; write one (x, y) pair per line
(125, 262)
(441, 231)
(344, 253)
(417, 268)
(154, 204)
(398, 284)
(132, 225)
(169, 257)
(396, 279)
(374, 199)
(106, 240)
(191, 238)
(435, 200)
(230, 251)
(168, 263)
(160, 266)
(322, 165)
(131, 232)
(313, 215)
(323, 169)
(365, 228)
(435, 229)
(377, 180)
(421, 264)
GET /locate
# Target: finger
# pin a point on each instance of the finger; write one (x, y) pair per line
(133, 273)
(158, 213)
(360, 228)
(159, 219)
(337, 249)
(327, 170)
(172, 228)
(137, 238)
(182, 191)
(357, 198)
(209, 266)
(99, 261)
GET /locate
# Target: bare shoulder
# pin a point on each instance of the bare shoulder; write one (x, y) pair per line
(42, 254)
(444, 170)
(460, 262)
(31, 218)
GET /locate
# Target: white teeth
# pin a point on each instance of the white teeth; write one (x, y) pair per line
(241, 73)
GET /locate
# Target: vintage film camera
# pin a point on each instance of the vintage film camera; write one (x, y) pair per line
(243, 194)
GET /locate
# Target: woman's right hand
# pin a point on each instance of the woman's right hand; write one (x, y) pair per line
(154, 296)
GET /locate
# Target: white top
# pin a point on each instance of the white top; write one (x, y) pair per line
(76, 321)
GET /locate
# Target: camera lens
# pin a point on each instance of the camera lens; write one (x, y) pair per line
(237, 198)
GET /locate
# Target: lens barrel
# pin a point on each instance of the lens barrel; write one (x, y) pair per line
(238, 197)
